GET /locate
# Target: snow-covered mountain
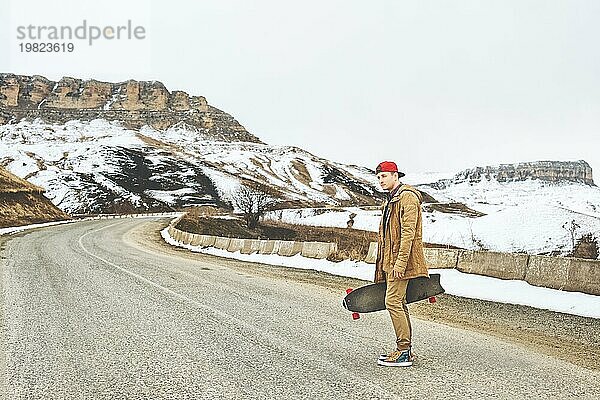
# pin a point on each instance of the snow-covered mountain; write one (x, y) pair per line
(101, 166)
(118, 147)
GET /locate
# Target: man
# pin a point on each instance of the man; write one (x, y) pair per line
(399, 257)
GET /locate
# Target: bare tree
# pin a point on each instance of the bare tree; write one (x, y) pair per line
(475, 240)
(253, 203)
(571, 227)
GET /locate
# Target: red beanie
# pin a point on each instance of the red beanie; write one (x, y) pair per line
(388, 166)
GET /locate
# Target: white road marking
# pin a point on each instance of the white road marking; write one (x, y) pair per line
(270, 337)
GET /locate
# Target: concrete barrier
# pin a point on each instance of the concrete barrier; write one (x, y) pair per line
(318, 249)
(289, 248)
(547, 271)
(195, 240)
(270, 246)
(207, 240)
(178, 235)
(572, 274)
(372, 253)
(441, 258)
(235, 245)
(222, 242)
(266, 247)
(186, 237)
(434, 257)
(584, 276)
(276, 246)
(489, 263)
(250, 246)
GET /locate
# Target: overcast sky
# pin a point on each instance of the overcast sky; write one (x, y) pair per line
(433, 85)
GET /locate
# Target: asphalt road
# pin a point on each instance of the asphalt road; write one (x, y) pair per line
(103, 310)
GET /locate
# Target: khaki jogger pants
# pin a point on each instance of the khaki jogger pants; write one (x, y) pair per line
(395, 302)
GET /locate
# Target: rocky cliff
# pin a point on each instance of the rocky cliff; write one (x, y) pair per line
(133, 103)
(550, 171)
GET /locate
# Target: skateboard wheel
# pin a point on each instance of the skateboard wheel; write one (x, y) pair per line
(348, 290)
(355, 316)
(432, 299)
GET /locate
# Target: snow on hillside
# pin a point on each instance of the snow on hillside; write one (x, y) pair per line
(521, 216)
(291, 170)
(367, 220)
(491, 195)
(55, 157)
(524, 216)
(286, 168)
(90, 166)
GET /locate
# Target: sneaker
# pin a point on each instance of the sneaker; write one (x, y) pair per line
(413, 356)
(397, 359)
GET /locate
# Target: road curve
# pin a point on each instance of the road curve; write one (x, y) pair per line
(103, 310)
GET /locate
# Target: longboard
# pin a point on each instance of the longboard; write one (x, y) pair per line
(371, 297)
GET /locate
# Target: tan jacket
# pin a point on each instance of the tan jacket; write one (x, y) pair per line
(400, 247)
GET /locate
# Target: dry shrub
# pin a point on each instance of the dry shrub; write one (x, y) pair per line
(586, 247)
(24, 208)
